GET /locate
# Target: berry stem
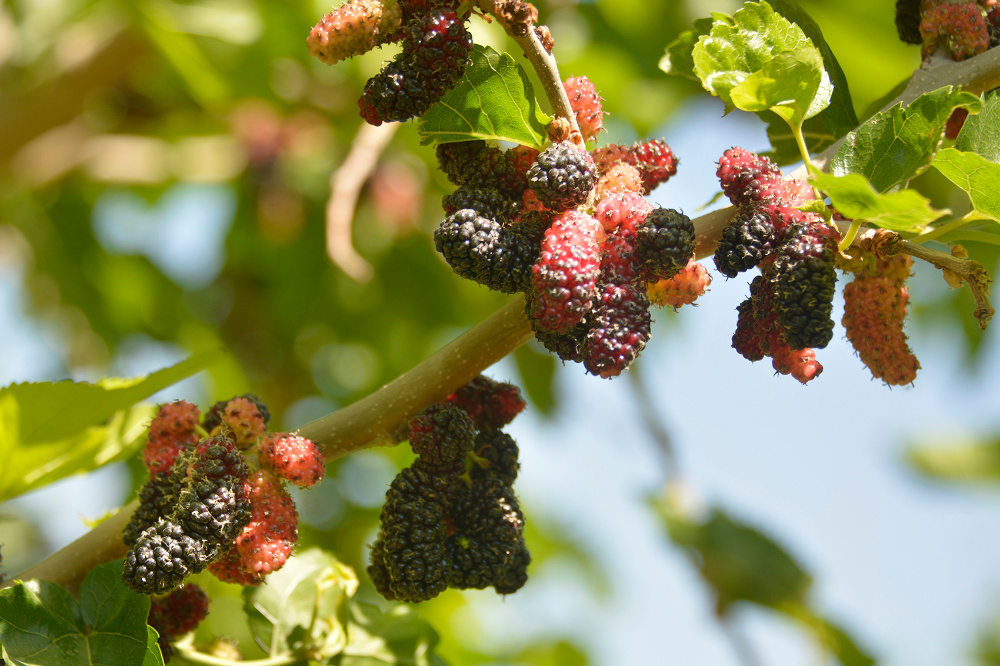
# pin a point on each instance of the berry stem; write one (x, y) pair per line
(972, 272)
(958, 223)
(849, 237)
(800, 141)
(545, 66)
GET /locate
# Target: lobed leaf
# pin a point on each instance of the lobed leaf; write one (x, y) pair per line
(494, 100)
(42, 625)
(897, 144)
(678, 59)
(979, 177)
(792, 84)
(854, 197)
(303, 605)
(49, 430)
(981, 133)
(732, 53)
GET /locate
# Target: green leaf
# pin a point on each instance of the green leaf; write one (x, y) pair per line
(42, 625)
(739, 562)
(678, 59)
(303, 606)
(397, 637)
(51, 430)
(730, 54)
(958, 461)
(153, 656)
(981, 133)
(853, 196)
(839, 118)
(538, 371)
(494, 100)
(979, 177)
(897, 144)
(792, 84)
(830, 636)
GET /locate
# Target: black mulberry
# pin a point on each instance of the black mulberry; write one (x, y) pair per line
(664, 243)
(562, 176)
(744, 242)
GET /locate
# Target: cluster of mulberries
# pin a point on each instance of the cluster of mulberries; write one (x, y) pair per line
(436, 47)
(204, 506)
(874, 312)
(964, 29)
(451, 519)
(175, 614)
(573, 232)
(788, 312)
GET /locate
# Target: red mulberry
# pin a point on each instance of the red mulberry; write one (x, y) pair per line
(354, 28)
(684, 288)
(171, 432)
(267, 540)
(294, 458)
(489, 403)
(586, 104)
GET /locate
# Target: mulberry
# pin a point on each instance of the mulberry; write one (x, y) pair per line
(490, 404)
(245, 422)
(413, 533)
(564, 278)
(616, 209)
(486, 251)
(744, 242)
(619, 330)
(213, 419)
(162, 557)
(961, 25)
(213, 504)
(476, 165)
(874, 313)
(496, 454)
(266, 542)
(804, 285)
(179, 612)
(562, 176)
(684, 288)
(294, 458)
(619, 179)
(442, 434)
(156, 501)
(586, 104)
(664, 243)
(171, 432)
(566, 345)
(654, 160)
(354, 28)
(486, 201)
(750, 179)
(908, 21)
(433, 60)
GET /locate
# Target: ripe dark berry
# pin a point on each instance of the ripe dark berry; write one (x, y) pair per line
(620, 328)
(156, 501)
(804, 283)
(744, 242)
(496, 454)
(179, 612)
(562, 176)
(564, 278)
(586, 104)
(486, 251)
(664, 243)
(162, 557)
(490, 404)
(908, 21)
(477, 165)
(442, 434)
(487, 201)
(435, 52)
(293, 458)
(565, 345)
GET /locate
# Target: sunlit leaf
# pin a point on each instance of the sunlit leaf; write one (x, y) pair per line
(897, 144)
(981, 132)
(494, 100)
(979, 177)
(396, 637)
(957, 461)
(678, 59)
(51, 430)
(854, 198)
(792, 84)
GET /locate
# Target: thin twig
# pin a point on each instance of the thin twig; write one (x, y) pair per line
(543, 63)
(345, 187)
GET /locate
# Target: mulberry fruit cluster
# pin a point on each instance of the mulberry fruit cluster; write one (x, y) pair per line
(204, 506)
(574, 233)
(451, 519)
(962, 28)
(787, 315)
(435, 51)
(875, 306)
